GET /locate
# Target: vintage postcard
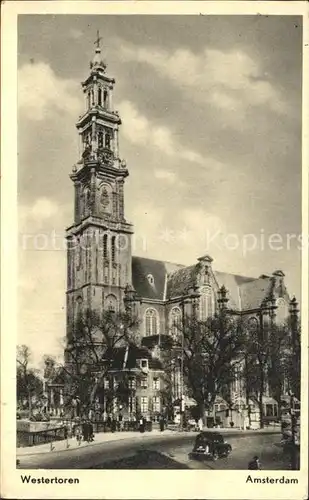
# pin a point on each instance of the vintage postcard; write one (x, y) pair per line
(154, 250)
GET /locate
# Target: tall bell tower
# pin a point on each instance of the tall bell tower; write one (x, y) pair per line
(99, 240)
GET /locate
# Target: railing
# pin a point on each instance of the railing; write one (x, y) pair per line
(27, 438)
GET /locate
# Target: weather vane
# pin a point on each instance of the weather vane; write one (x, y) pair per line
(98, 39)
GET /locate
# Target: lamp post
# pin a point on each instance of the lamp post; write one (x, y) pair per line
(189, 296)
(182, 304)
(268, 308)
(294, 319)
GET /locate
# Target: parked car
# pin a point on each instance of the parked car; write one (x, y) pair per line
(210, 445)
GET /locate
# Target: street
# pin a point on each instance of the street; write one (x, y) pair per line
(163, 452)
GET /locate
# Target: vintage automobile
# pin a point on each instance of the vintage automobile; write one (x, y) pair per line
(210, 445)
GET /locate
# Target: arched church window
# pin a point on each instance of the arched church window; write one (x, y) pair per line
(92, 98)
(207, 305)
(282, 311)
(175, 322)
(151, 322)
(89, 99)
(253, 324)
(100, 96)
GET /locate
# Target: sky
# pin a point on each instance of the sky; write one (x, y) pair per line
(211, 133)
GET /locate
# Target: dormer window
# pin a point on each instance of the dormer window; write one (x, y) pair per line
(144, 364)
(150, 279)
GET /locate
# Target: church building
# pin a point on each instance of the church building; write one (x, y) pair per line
(101, 270)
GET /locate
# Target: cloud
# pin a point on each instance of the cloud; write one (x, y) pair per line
(165, 175)
(75, 33)
(41, 91)
(42, 211)
(231, 81)
(139, 130)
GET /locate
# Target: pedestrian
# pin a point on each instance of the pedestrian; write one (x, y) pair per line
(109, 423)
(161, 423)
(85, 430)
(114, 424)
(120, 419)
(254, 464)
(141, 424)
(91, 435)
(78, 434)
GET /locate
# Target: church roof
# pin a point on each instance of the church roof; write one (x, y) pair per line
(253, 293)
(172, 280)
(233, 283)
(142, 268)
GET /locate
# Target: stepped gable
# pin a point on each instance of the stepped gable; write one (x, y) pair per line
(180, 281)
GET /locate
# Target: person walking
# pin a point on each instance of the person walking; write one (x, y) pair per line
(114, 424)
(85, 430)
(120, 420)
(161, 422)
(78, 434)
(91, 435)
(254, 464)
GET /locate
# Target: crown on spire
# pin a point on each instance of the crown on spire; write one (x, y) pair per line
(97, 61)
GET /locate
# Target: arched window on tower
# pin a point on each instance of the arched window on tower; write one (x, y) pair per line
(86, 202)
(151, 322)
(105, 246)
(92, 98)
(99, 96)
(105, 98)
(207, 304)
(107, 140)
(113, 248)
(175, 322)
(79, 311)
(111, 303)
(89, 99)
(100, 139)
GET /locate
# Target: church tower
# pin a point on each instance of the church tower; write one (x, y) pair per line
(99, 241)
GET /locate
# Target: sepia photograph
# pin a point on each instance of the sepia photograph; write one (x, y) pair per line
(159, 248)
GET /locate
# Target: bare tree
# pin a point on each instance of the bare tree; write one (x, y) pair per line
(90, 352)
(211, 350)
(28, 381)
(267, 359)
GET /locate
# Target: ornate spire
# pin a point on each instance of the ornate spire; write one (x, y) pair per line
(97, 62)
